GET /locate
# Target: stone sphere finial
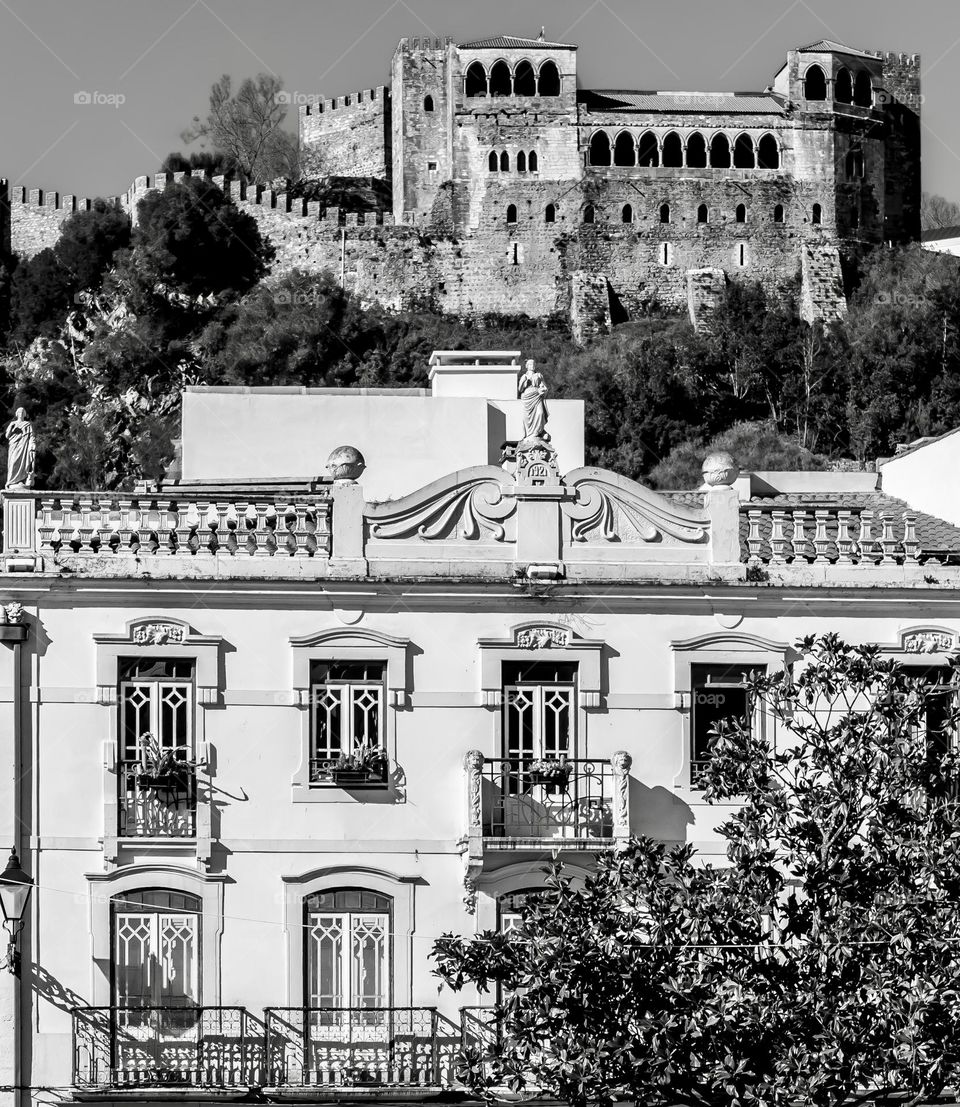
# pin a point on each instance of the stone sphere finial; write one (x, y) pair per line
(346, 464)
(719, 470)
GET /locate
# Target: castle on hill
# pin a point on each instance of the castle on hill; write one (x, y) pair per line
(513, 190)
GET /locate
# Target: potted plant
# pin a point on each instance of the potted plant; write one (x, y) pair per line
(162, 769)
(365, 765)
(552, 771)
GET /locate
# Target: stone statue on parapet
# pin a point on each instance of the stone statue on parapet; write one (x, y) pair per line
(532, 388)
(21, 452)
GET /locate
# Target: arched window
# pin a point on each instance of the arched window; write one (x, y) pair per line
(493, 162)
(696, 151)
(524, 79)
(741, 213)
(815, 83)
(720, 152)
(428, 103)
(475, 83)
(624, 151)
(778, 213)
(533, 163)
(703, 215)
(817, 215)
(550, 213)
(156, 942)
(768, 152)
(504, 162)
(549, 81)
(863, 89)
(843, 87)
(648, 153)
(521, 162)
(500, 82)
(664, 213)
(672, 150)
(588, 214)
(626, 215)
(743, 153)
(347, 962)
(600, 148)
(510, 908)
(511, 213)
(854, 163)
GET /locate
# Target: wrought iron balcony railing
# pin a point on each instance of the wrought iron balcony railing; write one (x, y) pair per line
(172, 1046)
(357, 1047)
(161, 807)
(579, 799)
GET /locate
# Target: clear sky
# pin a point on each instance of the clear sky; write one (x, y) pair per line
(160, 57)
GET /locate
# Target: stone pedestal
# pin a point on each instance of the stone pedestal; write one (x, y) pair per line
(19, 531)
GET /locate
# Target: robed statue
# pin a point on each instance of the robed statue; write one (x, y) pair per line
(21, 451)
(532, 390)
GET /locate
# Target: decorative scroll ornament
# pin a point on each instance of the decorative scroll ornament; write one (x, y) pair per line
(542, 638)
(606, 501)
(464, 505)
(621, 762)
(929, 641)
(157, 634)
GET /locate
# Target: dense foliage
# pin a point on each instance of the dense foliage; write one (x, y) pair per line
(101, 332)
(818, 966)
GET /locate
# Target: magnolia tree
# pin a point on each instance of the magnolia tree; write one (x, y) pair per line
(820, 965)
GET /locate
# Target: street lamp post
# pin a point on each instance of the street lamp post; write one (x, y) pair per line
(15, 889)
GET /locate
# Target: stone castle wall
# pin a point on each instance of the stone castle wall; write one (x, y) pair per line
(349, 136)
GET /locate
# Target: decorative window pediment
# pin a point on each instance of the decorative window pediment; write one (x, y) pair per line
(924, 639)
(549, 642)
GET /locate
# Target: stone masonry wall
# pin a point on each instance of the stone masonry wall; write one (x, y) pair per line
(349, 136)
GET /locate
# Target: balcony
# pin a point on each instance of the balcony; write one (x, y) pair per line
(161, 808)
(341, 1047)
(163, 1048)
(512, 804)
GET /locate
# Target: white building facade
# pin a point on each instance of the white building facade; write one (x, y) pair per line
(265, 740)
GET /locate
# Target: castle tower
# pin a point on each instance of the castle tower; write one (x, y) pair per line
(5, 232)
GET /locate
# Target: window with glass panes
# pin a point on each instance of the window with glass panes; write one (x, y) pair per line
(717, 693)
(347, 702)
(938, 680)
(156, 949)
(348, 949)
(539, 709)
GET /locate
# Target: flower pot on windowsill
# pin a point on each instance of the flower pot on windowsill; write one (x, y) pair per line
(552, 774)
(352, 778)
(166, 782)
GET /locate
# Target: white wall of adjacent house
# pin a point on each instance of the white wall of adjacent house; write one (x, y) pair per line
(925, 477)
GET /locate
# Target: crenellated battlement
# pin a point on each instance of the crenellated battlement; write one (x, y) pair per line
(55, 201)
(363, 98)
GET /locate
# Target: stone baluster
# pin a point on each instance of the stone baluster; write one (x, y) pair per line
(211, 524)
(910, 544)
(45, 525)
(845, 541)
(231, 522)
(888, 539)
(135, 523)
(153, 527)
(191, 520)
(620, 765)
(251, 522)
(866, 536)
(821, 539)
(778, 539)
(270, 521)
(291, 520)
(171, 527)
(801, 544)
(76, 525)
(754, 543)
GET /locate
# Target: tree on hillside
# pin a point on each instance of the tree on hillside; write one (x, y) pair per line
(245, 128)
(818, 967)
(937, 211)
(197, 161)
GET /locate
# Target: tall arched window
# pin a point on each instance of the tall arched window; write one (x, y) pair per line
(156, 943)
(720, 152)
(664, 213)
(521, 162)
(854, 163)
(511, 213)
(817, 215)
(778, 213)
(768, 152)
(475, 83)
(347, 962)
(504, 162)
(533, 163)
(626, 215)
(428, 103)
(672, 150)
(843, 87)
(588, 213)
(600, 148)
(648, 153)
(624, 151)
(550, 213)
(500, 82)
(549, 80)
(524, 79)
(696, 151)
(703, 214)
(863, 89)
(815, 83)
(493, 162)
(743, 153)
(741, 213)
